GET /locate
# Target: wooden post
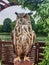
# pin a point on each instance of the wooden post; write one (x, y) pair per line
(23, 63)
(36, 53)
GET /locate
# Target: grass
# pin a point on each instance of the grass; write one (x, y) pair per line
(41, 38)
(4, 33)
(5, 36)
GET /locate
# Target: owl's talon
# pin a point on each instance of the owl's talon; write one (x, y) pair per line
(26, 58)
(33, 64)
(17, 59)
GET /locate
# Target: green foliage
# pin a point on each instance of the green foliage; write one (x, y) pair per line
(32, 22)
(1, 28)
(41, 29)
(31, 4)
(7, 25)
(13, 1)
(34, 4)
(13, 24)
(44, 10)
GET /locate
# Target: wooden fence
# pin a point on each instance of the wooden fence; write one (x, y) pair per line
(7, 52)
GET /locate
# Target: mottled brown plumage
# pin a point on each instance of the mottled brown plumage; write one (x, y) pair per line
(23, 35)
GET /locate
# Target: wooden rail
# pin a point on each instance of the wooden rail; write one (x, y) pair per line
(7, 52)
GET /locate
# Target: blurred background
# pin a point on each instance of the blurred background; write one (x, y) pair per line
(39, 20)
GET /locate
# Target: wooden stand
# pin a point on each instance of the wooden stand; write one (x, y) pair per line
(24, 63)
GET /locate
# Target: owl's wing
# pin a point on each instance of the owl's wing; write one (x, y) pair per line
(13, 39)
(34, 37)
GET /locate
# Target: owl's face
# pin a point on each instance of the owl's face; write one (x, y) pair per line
(23, 18)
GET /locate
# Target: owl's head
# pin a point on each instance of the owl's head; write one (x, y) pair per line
(23, 18)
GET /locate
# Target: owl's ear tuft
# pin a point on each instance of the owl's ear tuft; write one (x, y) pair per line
(16, 13)
(30, 13)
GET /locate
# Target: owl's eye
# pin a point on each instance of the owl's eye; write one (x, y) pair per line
(25, 16)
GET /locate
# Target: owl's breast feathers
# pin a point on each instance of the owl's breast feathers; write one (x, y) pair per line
(25, 37)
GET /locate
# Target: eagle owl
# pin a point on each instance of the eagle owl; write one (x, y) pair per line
(23, 35)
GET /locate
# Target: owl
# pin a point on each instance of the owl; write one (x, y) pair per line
(23, 36)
